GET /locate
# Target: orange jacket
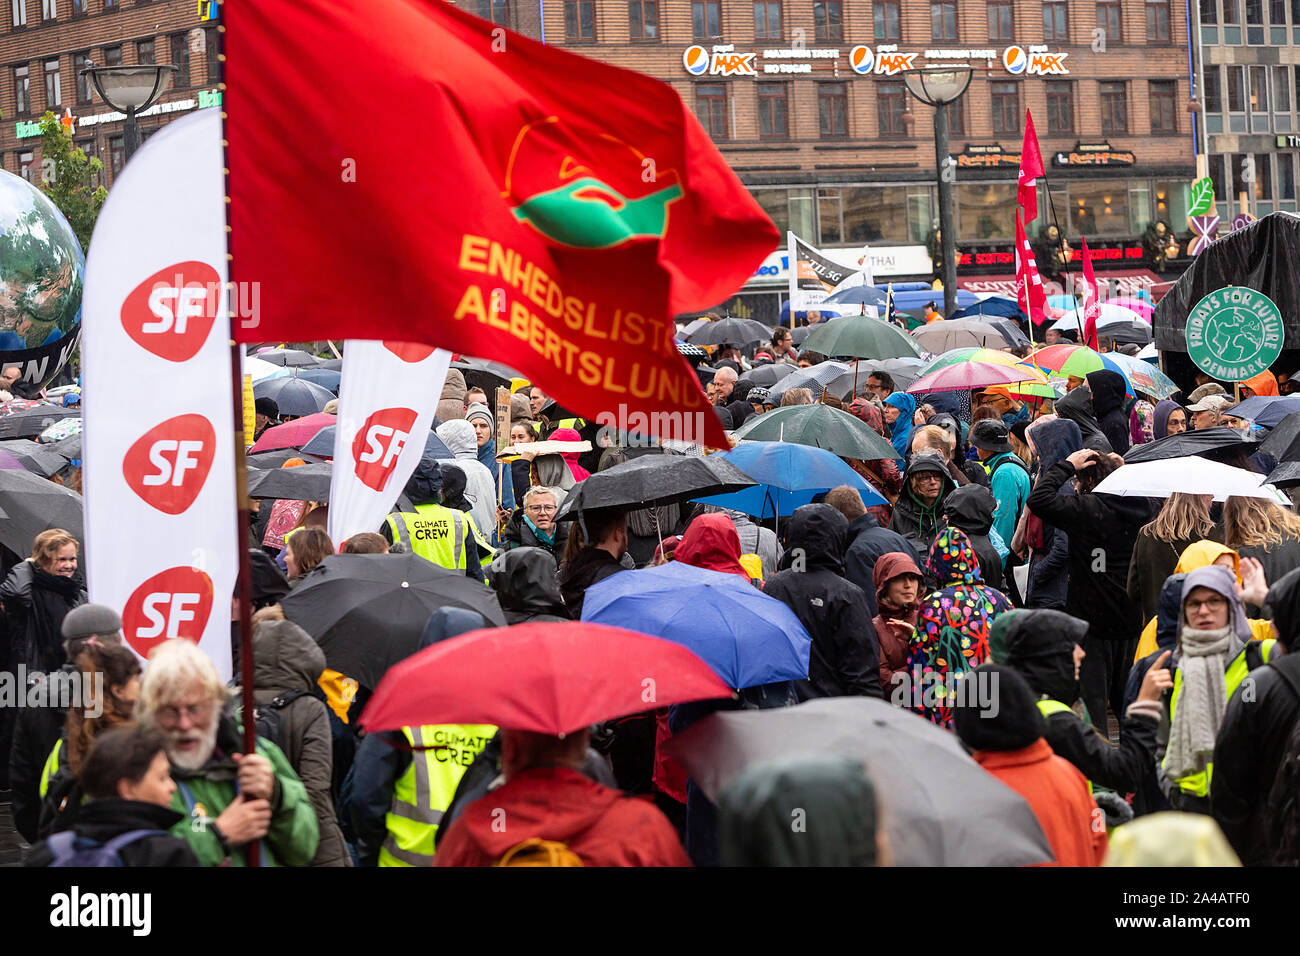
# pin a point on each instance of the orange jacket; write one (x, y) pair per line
(1058, 795)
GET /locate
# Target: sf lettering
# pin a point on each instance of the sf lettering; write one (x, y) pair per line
(168, 611)
(172, 470)
(384, 445)
(174, 306)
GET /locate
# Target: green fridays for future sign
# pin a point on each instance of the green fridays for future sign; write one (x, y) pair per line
(1234, 333)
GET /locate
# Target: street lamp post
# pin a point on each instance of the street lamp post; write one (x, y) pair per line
(940, 87)
(130, 90)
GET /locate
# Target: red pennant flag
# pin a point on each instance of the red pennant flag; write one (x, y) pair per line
(1031, 167)
(1030, 294)
(1092, 302)
(533, 206)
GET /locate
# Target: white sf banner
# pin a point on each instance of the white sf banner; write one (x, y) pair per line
(159, 476)
(388, 394)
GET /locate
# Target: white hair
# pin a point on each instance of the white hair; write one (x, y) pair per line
(174, 667)
(537, 490)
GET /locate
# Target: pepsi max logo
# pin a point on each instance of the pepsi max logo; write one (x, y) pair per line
(1014, 60)
(861, 59)
(696, 60)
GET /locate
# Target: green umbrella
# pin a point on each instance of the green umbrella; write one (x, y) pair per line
(822, 427)
(861, 336)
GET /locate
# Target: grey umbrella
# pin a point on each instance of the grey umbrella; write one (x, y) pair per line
(824, 375)
(30, 422)
(303, 483)
(767, 375)
(730, 331)
(43, 460)
(940, 807)
(32, 505)
(290, 358)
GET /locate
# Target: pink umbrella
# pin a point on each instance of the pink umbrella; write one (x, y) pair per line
(1141, 306)
(9, 463)
(966, 376)
(294, 434)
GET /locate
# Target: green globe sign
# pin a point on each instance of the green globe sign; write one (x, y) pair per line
(1234, 333)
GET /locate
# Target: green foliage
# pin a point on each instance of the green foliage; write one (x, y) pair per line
(68, 177)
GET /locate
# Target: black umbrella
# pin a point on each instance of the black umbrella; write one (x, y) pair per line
(1218, 444)
(290, 358)
(766, 376)
(1285, 475)
(367, 611)
(29, 422)
(1283, 442)
(32, 505)
(302, 483)
(69, 448)
(654, 480)
(294, 396)
(731, 332)
(335, 365)
(1126, 333)
(39, 459)
(489, 376)
(275, 459)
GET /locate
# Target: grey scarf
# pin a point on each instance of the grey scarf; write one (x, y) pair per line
(1204, 656)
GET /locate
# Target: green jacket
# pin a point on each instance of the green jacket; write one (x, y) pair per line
(293, 834)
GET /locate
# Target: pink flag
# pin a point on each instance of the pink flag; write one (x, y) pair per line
(1092, 304)
(1029, 284)
(1031, 167)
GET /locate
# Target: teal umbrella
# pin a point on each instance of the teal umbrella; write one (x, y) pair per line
(861, 336)
(820, 426)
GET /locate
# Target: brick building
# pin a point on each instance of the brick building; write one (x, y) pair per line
(804, 99)
(45, 43)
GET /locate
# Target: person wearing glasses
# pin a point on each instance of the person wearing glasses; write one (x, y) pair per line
(783, 350)
(534, 525)
(880, 385)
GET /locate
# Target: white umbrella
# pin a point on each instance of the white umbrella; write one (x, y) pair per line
(262, 371)
(1110, 315)
(1190, 475)
(1149, 353)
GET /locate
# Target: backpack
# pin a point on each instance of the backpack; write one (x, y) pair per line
(1009, 459)
(539, 852)
(1282, 808)
(71, 850)
(269, 720)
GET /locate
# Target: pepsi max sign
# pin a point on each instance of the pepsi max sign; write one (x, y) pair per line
(1035, 61)
(883, 61)
(721, 61)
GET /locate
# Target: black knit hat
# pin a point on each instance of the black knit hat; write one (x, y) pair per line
(1003, 716)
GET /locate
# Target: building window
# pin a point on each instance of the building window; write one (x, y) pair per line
(212, 47)
(1236, 89)
(891, 104)
(1219, 179)
(1255, 12)
(116, 154)
(1060, 107)
(1259, 90)
(1277, 12)
(1056, 20)
(1110, 20)
(885, 14)
(1114, 107)
(25, 163)
(112, 56)
(828, 20)
(53, 84)
(767, 19)
(957, 117)
(711, 107)
(1285, 176)
(982, 211)
(1281, 90)
(144, 52)
(1099, 208)
(49, 9)
(644, 15)
(1212, 90)
(1164, 117)
(110, 5)
(833, 110)
(1209, 11)
(22, 91)
(181, 60)
(773, 111)
(1006, 107)
(579, 19)
(20, 13)
(1231, 13)
(706, 19)
(80, 62)
(1263, 176)
(80, 7)
(498, 11)
(1000, 19)
(943, 19)
(1157, 20)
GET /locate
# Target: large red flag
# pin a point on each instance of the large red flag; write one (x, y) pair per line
(1030, 294)
(1092, 303)
(1031, 167)
(400, 169)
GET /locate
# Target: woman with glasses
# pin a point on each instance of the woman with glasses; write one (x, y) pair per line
(534, 525)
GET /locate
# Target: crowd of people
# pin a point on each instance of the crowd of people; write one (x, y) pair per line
(1139, 647)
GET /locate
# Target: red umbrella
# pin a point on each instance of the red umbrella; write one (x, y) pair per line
(293, 434)
(966, 376)
(552, 678)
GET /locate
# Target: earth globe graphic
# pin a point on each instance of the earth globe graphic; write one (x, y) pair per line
(1234, 335)
(42, 268)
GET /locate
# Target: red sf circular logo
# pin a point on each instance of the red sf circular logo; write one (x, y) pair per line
(410, 351)
(171, 312)
(168, 465)
(173, 603)
(379, 443)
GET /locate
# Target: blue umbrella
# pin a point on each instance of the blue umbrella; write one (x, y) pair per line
(1066, 302)
(994, 307)
(1266, 411)
(858, 295)
(322, 445)
(324, 377)
(747, 638)
(789, 476)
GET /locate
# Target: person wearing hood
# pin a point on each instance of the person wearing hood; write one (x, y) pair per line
(525, 583)
(1008, 741)
(971, 509)
(899, 411)
(480, 490)
(485, 426)
(446, 536)
(1265, 383)
(755, 540)
(1170, 418)
(452, 403)
(1102, 529)
(883, 473)
(287, 663)
(755, 810)
(1253, 741)
(953, 625)
(1183, 520)
(1045, 648)
(711, 542)
(867, 541)
(1051, 441)
(1215, 653)
(1077, 406)
(845, 657)
(395, 806)
(918, 513)
(534, 525)
(571, 457)
(898, 584)
(1108, 391)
